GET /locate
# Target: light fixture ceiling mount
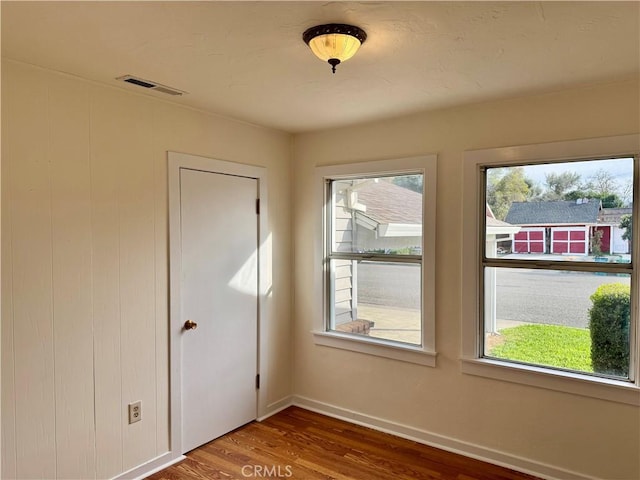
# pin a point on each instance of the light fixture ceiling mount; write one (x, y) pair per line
(334, 42)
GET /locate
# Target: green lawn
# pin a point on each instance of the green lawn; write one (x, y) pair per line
(551, 345)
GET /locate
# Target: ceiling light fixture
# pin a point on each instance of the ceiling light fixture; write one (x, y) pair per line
(334, 42)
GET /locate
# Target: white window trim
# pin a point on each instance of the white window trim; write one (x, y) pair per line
(473, 206)
(422, 355)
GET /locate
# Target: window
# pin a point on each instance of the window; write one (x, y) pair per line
(374, 257)
(377, 258)
(552, 302)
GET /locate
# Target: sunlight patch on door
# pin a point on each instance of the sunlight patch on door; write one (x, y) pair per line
(246, 279)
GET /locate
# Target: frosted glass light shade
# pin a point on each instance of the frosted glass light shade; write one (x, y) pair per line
(334, 45)
(334, 42)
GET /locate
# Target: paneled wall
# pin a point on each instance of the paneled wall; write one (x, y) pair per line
(84, 268)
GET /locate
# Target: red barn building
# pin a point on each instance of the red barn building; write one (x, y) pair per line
(609, 224)
(561, 227)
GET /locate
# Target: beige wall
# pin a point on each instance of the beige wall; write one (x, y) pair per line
(580, 434)
(84, 277)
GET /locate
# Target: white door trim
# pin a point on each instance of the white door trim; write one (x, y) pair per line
(176, 161)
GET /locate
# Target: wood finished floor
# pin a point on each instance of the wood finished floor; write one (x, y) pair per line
(301, 445)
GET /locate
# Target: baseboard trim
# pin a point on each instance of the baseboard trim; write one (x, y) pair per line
(276, 407)
(150, 467)
(160, 463)
(449, 444)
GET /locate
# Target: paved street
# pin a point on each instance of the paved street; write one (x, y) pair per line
(389, 284)
(559, 298)
(535, 296)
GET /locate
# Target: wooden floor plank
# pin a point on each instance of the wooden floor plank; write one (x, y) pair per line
(302, 445)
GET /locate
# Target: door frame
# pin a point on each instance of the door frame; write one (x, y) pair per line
(175, 162)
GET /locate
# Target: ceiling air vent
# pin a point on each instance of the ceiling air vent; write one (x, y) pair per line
(150, 85)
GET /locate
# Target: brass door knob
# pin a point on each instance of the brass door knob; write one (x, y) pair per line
(190, 325)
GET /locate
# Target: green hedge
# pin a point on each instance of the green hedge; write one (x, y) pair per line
(609, 326)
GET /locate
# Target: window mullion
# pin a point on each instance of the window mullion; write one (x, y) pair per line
(626, 268)
(375, 257)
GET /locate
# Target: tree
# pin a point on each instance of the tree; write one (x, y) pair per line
(596, 243)
(626, 223)
(505, 186)
(412, 182)
(610, 200)
(625, 191)
(535, 190)
(602, 183)
(559, 183)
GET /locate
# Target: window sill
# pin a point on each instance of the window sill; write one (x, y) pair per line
(376, 347)
(574, 383)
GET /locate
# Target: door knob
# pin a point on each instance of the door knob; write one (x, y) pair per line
(190, 325)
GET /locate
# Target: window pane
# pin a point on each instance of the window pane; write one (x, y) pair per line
(377, 215)
(381, 300)
(561, 211)
(563, 319)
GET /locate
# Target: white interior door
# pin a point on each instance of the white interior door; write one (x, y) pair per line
(219, 286)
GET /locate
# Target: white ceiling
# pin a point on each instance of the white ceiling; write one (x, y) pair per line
(247, 60)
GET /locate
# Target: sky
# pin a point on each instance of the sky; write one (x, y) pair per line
(620, 168)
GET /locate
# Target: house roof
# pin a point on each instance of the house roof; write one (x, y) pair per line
(613, 215)
(553, 213)
(494, 222)
(388, 203)
(495, 226)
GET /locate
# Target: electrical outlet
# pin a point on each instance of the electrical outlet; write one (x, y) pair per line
(135, 412)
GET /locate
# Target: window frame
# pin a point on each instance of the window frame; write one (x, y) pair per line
(424, 354)
(474, 261)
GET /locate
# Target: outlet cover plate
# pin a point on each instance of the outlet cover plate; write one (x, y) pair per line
(135, 412)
